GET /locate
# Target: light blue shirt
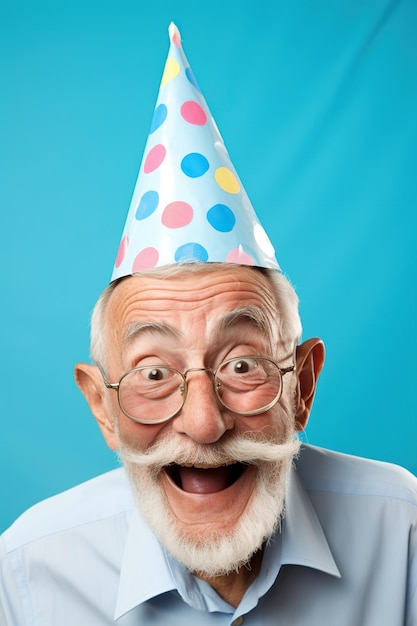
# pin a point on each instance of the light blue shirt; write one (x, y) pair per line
(346, 555)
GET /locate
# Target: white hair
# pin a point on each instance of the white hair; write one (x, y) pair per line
(286, 302)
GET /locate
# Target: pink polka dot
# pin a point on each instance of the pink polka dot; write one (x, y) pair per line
(237, 255)
(154, 158)
(122, 251)
(193, 113)
(176, 39)
(145, 260)
(177, 214)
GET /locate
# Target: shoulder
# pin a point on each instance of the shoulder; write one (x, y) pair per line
(100, 498)
(330, 471)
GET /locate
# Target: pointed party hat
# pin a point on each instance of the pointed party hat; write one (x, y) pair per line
(188, 204)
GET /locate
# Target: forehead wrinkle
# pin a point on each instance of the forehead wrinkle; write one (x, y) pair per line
(139, 329)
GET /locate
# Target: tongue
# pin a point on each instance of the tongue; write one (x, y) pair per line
(195, 480)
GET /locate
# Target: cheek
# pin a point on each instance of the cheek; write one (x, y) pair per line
(138, 436)
(276, 424)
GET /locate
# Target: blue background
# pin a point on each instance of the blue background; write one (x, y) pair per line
(317, 104)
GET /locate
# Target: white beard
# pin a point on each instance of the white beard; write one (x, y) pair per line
(214, 553)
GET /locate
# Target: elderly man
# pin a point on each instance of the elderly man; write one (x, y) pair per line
(207, 389)
(200, 383)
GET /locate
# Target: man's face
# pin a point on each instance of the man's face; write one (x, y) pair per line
(198, 320)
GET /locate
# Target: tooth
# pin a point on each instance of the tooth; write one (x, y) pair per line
(205, 466)
(199, 465)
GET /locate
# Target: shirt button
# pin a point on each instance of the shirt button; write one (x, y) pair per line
(238, 621)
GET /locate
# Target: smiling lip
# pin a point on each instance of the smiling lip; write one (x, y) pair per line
(205, 480)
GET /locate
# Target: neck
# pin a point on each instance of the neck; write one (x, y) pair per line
(232, 587)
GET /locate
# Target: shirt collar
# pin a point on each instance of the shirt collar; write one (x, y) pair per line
(148, 571)
(302, 542)
(303, 539)
(144, 571)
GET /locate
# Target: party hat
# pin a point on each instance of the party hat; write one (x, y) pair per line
(188, 204)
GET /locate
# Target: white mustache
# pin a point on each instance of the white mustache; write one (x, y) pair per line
(243, 449)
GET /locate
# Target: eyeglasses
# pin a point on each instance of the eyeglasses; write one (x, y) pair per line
(247, 385)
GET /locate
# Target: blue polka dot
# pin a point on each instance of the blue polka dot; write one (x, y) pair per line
(147, 205)
(189, 74)
(159, 117)
(221, 218)
(194, 165)
(191, 252)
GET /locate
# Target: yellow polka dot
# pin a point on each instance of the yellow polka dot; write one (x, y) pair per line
(226, 180)
(171, 70)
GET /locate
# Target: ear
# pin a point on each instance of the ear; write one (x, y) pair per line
(91, 385)
(309, 363)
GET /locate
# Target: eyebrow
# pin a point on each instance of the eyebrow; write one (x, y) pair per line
(250, 313)
(139, 329)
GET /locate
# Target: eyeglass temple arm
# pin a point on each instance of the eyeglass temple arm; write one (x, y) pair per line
(106, 382)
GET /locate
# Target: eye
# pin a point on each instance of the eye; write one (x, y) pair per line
(155, 373)
(241, 366)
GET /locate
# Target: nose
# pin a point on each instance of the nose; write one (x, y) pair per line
(202, 418)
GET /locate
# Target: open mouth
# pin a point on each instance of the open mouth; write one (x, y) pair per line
(203, 480)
